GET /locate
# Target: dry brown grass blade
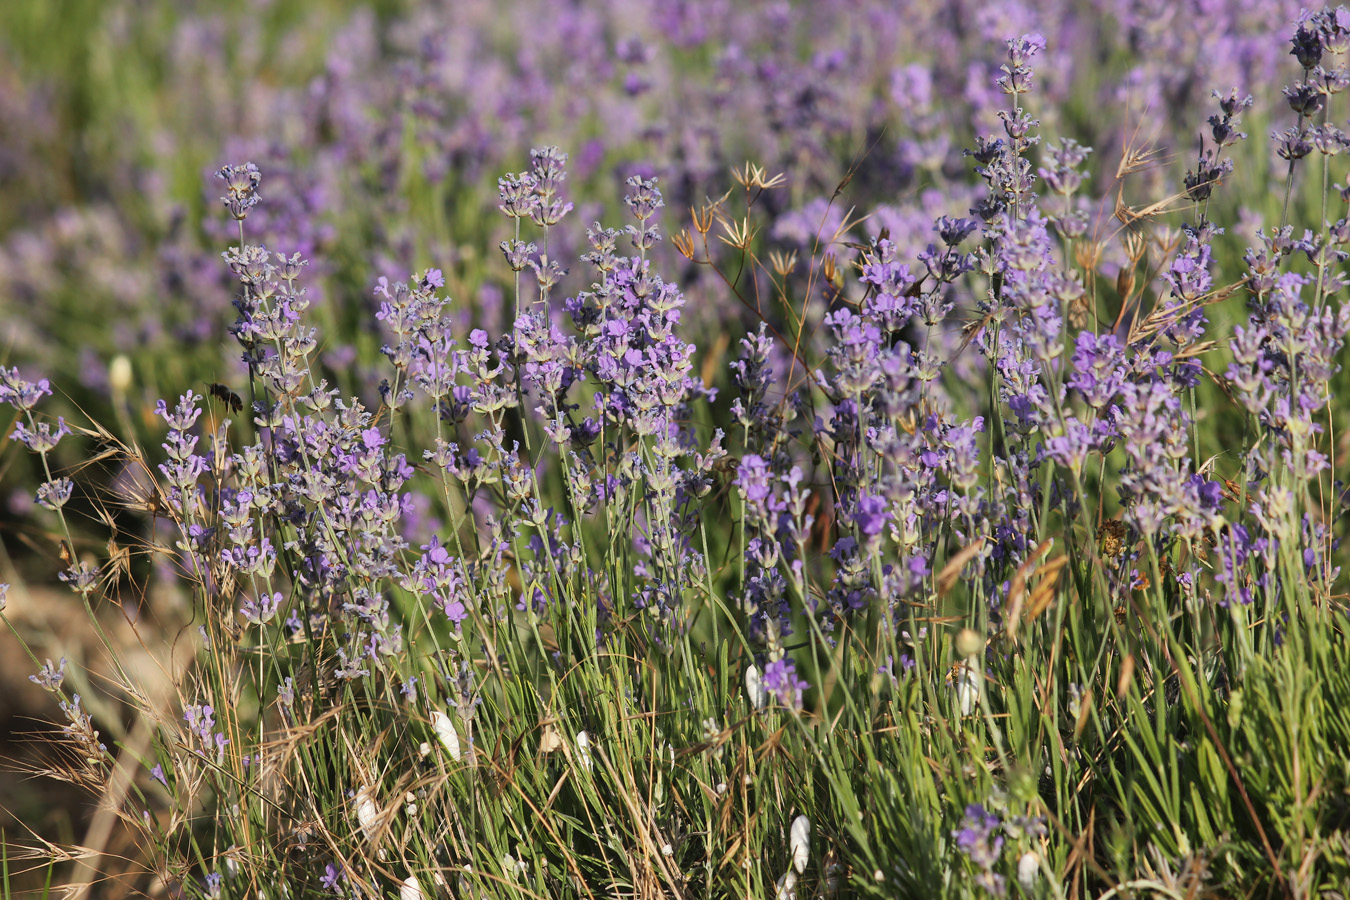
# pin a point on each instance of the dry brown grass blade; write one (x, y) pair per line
(1044, 592)
(1130, 216)
(1084, 712)
(1126, 676)
(1017, 590)
(952, 570)
(1159, 318)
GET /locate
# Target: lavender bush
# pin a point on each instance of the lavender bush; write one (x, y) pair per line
(380, 130)
(999, 556)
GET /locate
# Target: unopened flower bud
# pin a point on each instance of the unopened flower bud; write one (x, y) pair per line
(367, 813)
(445, 732)
(754, 688)
(120, 374)
(584, 749)
(411, 889)
(799, 842)
(968, 643)
(1028, 869)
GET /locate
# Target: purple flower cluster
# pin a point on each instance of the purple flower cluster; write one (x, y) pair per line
(201, 722)
(783, 683)
(979, 840)
(420, 104)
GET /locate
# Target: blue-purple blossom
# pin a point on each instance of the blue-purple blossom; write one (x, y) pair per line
(262, 610)
(783, 683)
(41, 439)
(201, 722)
(241, 187)
(20, 394)
(51, 676)
(978, 839)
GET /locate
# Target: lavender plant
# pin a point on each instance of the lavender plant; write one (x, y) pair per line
(944, 600)
(381, 130)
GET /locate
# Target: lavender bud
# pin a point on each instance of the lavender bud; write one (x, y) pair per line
(1307, 43)
(781, 681)
(1305, 99)
(517, 253)
(548, 166)
(1334, 30)
(645, 198)
(81, 578)
(1327, 139)
(516, 192)
(954, 231)
(51, 676)
(1333, 82)
(20, 394)
(241, 186)
(54, 494)
(43, 440)
(1291, 144)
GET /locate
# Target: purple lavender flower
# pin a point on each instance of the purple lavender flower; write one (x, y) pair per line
(977, 836)
(1099, 368)
(201, 722)
(81, 577)
(263, 610)
(42, 439)
(978, 839)
(20, 394)
(782, 682)
(332, 879)
(871, 515)
(241, 186)
(55, 494)
(51, 676)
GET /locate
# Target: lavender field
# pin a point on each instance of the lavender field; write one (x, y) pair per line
(674, 449)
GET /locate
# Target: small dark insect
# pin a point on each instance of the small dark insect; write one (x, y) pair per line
(226, 396)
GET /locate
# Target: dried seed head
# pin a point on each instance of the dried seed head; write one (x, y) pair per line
(551, 742)
(1111, 538)
(1125, 282)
